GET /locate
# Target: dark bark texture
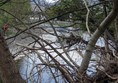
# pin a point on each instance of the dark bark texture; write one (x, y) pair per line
(8, 70)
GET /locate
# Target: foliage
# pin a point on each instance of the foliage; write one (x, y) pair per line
(62, 7)
(13, 11)
(77, 12)
(18, 8)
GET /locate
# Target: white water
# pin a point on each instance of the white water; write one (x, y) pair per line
(30, 64)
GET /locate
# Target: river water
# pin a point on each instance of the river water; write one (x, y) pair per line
(30, 66)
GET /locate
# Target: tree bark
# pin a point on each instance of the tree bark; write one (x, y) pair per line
(90, 47)
(116, 32)
(8, 70)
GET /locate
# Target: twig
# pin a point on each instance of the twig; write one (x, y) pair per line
(87, 16)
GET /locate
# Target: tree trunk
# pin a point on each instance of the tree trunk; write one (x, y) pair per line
(8, 70)
(116, 32)
(90, 47)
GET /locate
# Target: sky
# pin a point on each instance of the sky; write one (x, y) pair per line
(51, 1)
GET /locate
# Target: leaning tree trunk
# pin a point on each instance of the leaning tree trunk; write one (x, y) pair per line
(8, 70)
(90, 47)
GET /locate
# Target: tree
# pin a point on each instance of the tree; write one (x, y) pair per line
(20, 9)
(8, 70)
(96, 35)
(63, 6)
(55, 55)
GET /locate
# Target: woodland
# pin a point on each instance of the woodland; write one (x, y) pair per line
(43, 42)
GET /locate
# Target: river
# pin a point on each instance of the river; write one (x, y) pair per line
(30, 66)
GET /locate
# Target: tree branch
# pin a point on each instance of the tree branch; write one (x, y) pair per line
(90, 47)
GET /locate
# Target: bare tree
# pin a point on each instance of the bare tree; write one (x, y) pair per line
(49, 49)
(106, 22)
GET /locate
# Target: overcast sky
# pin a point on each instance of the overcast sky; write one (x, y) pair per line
(51, 1)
